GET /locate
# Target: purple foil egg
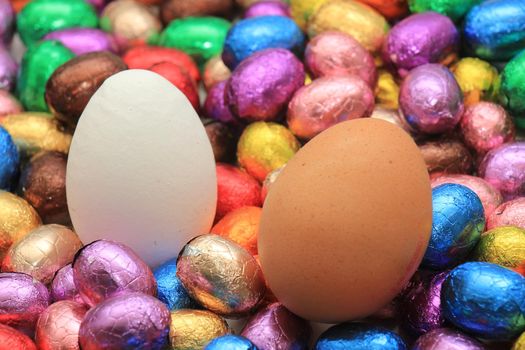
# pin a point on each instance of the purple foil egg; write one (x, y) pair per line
(63, 286)
(22, 300)
(504, 168)
(431, 99)
(267, 8)
(419, 39)
(275, 328)
(84, 40)
(8, 104)
(263, 84)
(7, 21)
(128, 321)
(8, 70)
(446, 339)
(105, 268)
(215, 105)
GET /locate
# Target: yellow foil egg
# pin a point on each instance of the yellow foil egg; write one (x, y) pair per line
(193, 329)
(302, 10)
(361, 21)
(520, 343)
(477, 79)
(387, 91)
(43, 252)
(17, 218)
(264, 147)
(34, 132)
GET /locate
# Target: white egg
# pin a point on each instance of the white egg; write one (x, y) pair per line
(141, 169)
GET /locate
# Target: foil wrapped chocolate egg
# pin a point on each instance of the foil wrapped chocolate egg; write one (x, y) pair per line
(193, 329)
(58, 326)
(264, 147)
(504, 246)
(327, 101)
(447, 338)
(43, 184)
(454, 9)
(169, 287)
(448, 156)
(437, 39)
(387, 90)
(457, 223)
(490, 197)
(12, 339)
(359, 336)
(267, 8)
(42, 252)
(302, 10)
(223, 140)
(520, 343)
(263, 84)
(504, 168)
(7, 22)
(63, 286)
(252, 35)
(23, 300)
(172, 9)
(336, 53)
(360, 21)
(512, 92)
(215, 106)
(486, 300)
(9, 160)
(268, 182)
(72, 85)
(510, 213)
(127, 321)
(230, 342)
(8, 104)
(391, 9)
(34, 132)
(275, 327)
(431, 99)
(8, 70)
(392, 116)
(221, 275)
(478, 80)
(105, 268)
(215, 71)
(84, 40)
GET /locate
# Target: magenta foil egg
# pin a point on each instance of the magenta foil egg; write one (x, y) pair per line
(215, 106)
(8, 104)
(485, 126)
(275, 328)
(326, 102)
(337, 53)
(511, 213)
(127, 321)
(105, 268)
(84, 40)
(267, 8)
(263, 84)
(419, 39)
(446, 339)
(7, 21)
(504, 168)
(431, 100)
(22, 300)
(63, 286)
(8, 70)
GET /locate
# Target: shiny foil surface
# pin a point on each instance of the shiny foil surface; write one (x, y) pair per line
(63, 286)
(256, 34)
(84, 40)
(221, 275)
(447, 156)
(457, 223)
(222, 139)
(302, 10)
(215, 106)
(263, 84)
(431, 99)
(387, 90)
(193, 329)
(391, 9)
(455, 9)
(447, 339)
(391, 116)
(504, 168)
(8, 104)
(511, 213)
(12, 339)
(23, 299)
(504, 246)
(520, 343)
(9, 161)
(273, 327)
(215, 71)
(478, 79)
(58, 326)
(359, 336)
(42, 252)
(169, 287)
(7, 21)
(172, 9)
(230, 342)
(105, 268)
(269, 181)
(264, 147)
(437, 37)
(8, 70)
(240, 226)
(513, 89)
(336, 53)
(128, 321)
(327, 101)
(267, 8)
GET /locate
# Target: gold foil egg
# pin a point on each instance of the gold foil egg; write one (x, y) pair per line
(360, 21)
(477, 79)
(387, 90)
(215, 71)
(33, 132)
(221, 275)
(43, 252)
(193, 329)
(264, 147)
(302, 10)
(17, 218)
(520, 343)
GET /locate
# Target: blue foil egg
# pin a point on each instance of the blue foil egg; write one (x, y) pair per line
(170, 289)
(255, 34)
(457, 223)
(485, 299)
(9, 160)
(230, 342)
(357, 336)
(495, 29)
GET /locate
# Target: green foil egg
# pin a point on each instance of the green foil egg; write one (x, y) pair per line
(200, 37)
(455, 9)
(512, 90)
(38, 63)
(40, 17)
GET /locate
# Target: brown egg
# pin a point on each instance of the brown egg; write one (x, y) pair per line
(172, 9)
(347, 221)
(446, 156)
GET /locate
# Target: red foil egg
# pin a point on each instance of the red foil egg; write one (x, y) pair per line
(11, 339)
(447, 156)
(511, 213)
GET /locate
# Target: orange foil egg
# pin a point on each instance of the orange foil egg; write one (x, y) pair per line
(11, 339)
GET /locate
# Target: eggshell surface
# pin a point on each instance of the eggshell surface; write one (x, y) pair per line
(340, 236)
(141, 168)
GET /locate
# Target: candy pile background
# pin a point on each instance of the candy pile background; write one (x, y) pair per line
(271, 175)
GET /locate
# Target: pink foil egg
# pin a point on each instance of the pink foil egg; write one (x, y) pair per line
(337, 53)
(8, 104)
(447, 339)
(267, 8)
(63, 286)
(105, 268)
(8, 70)
(511, 213)
(446, 156)
(326, 102)
(58, 326)
(11, 339)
